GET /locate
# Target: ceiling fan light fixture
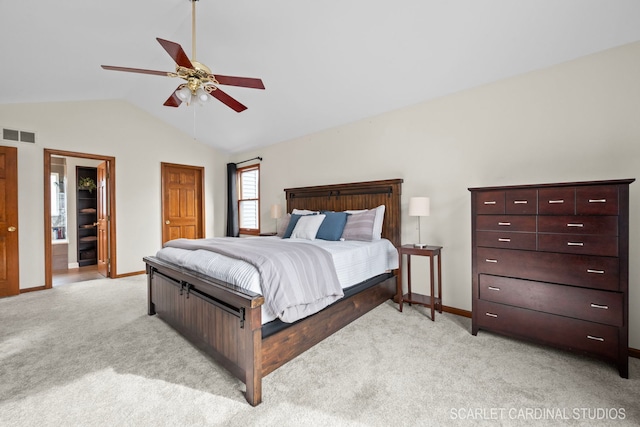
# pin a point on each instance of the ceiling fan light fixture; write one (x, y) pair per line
(203, 96)
(184, 93)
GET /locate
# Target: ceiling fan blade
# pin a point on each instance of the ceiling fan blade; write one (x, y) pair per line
(176, 52)
(135, 70)
(173, 100)
(239, 81)
(227, 100)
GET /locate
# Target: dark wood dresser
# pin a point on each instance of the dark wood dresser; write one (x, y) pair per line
(550, 265)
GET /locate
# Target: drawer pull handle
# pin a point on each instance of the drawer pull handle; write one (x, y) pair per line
(503, 239)
(603, 307)
(597, 200)
(591, 337)
(520, 202)
(492, 202)
(575, 225)
(595, 271)
(575, 244)
(495, 315)
(491, 260)
(556, 201)
(507, 224)
(493, 288)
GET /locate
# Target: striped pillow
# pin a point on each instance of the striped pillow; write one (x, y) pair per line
(377, 225)
(359, 226)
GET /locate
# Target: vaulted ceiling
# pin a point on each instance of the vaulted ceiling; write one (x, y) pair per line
(324, 63)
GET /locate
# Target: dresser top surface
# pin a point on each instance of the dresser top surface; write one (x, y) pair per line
(560, 184)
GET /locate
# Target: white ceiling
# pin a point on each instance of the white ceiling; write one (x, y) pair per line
(324, 63)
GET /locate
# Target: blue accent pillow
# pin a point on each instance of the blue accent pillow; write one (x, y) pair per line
(292, 224)
(332, 226)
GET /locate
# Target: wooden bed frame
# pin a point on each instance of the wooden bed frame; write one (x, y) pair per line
(225, 321)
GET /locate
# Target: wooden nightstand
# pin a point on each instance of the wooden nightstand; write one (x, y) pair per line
(411, 297)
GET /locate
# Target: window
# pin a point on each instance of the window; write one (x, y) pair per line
(55, 194)
(249, 199)
(58, 207)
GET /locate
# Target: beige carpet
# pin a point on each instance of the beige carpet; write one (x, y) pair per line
(87, 354)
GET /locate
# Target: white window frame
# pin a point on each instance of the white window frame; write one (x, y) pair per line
(241, 198)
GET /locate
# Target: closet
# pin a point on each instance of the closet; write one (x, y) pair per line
(87, 215)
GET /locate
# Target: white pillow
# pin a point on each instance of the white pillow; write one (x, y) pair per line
(307, 227)
(304, 212)
(377, 222)
(377, 225)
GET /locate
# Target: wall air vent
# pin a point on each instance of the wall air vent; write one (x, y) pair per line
(18, 135)
(11, 135)
(28, 136)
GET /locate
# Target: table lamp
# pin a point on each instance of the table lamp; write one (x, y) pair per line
(276, 212)
(419, 206)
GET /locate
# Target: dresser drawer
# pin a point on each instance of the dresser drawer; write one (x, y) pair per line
(573, 224)
(507, 240)
(580, 303)
(506, 223)
(557, 201)
(490, 202)
(597, 200)
(521, 202)
(579, 270)
(513, 202)
(585, 244)
(560, 331)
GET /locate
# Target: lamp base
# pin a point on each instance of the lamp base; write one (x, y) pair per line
(420, 245)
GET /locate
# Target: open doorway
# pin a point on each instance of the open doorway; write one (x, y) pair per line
(79, 217)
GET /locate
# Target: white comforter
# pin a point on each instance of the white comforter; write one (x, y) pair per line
(354, 262)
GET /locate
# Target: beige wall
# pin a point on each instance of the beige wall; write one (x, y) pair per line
(575, 121)
(139, 143)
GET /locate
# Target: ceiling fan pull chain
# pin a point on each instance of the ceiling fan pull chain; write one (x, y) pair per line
(194, 123)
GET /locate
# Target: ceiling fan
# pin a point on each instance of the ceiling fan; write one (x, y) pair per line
(200, 83)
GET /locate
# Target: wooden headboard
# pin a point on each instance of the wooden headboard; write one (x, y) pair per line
(358, 195)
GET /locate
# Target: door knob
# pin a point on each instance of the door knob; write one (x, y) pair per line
(167, 222)
(11, 229)
(95, 223)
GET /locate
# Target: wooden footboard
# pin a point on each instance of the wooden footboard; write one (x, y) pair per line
(225, 322)
(221, 320)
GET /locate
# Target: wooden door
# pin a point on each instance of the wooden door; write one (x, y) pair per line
(103, 220)
(9, 273)
(182, 202)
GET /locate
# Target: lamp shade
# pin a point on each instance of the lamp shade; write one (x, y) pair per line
(419, 206)
(276, 211)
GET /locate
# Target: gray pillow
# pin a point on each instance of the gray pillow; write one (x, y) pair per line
(359, 226)
(282, 225)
